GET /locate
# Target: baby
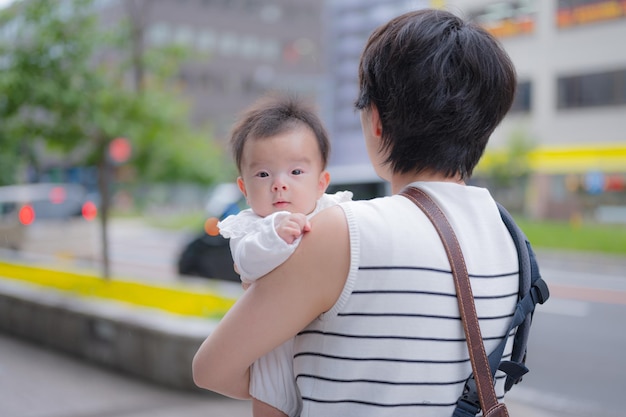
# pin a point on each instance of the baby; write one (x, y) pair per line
(281, 150)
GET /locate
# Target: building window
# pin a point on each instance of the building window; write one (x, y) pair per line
(159, 34)
(582, 12)
(507, 18)
(249, 46)
(270, 50)
(228, 44)
(206, 41)
(592, 90)
(523, 98)
(184, 35)
(271, 13)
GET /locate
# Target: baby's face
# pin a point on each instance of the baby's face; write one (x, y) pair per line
(283, 173)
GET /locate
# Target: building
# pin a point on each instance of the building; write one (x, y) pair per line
(569, 54)
(571, 101)
(348, 24)
(239, 49)
(571, 65)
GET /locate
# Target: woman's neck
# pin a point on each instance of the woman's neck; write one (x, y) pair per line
(399, 181)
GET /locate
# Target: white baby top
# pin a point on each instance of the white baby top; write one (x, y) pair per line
(254, 244)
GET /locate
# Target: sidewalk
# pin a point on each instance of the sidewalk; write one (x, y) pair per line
(518, 403)
(582, 261)
(67, 386)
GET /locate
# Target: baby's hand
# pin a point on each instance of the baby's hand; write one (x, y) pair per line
(291, 227)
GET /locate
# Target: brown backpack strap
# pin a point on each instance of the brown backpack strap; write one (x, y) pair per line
(478, 356)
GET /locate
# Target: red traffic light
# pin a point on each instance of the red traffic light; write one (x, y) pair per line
(89, 211)
(26, 214)
(120, 150)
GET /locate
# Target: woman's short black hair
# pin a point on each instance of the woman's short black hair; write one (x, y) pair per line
(272, 115)
(441, 86)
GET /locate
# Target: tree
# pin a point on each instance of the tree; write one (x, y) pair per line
(511, 164)
(62, 86)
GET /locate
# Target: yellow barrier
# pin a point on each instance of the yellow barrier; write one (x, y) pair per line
(579, 159)
(177, 300)
(606, 158)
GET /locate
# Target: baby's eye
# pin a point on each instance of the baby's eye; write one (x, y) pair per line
(263, 174)
(296, 172)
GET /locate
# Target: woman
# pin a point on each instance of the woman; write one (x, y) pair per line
(369, 292)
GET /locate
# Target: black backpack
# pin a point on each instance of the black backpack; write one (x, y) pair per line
(532, 290)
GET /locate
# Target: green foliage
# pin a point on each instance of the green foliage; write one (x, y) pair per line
(46, 72)
(511, 163)
(166, 151)
(191, 222)
(64, 87)
(8, 163)
(600, 238)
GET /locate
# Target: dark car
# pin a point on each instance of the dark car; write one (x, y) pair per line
(208, 255)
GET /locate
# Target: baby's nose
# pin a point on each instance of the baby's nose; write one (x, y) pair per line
(279, 185)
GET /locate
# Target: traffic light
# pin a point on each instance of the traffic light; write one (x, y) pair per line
(26, 214)
(120, 150)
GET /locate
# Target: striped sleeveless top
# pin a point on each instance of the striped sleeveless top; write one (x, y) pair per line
(393, 344)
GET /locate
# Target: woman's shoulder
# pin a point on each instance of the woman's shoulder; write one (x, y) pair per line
(389, 202)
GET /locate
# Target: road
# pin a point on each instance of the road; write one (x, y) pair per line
(575, 353)
(577, 342)
(136, 251)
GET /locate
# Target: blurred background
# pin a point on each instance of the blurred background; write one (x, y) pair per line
(114, 122)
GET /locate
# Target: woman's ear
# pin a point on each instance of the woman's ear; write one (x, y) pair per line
(376, 123)
(242, 186)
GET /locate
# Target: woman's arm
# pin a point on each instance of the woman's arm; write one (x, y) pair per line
(277, 307)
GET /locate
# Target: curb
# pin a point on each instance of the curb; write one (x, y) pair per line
(131, 339)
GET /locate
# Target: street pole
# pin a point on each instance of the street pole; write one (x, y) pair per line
(104, 184)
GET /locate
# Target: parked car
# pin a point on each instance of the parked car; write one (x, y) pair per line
(208, 253)
(11, 228)
(26, 205)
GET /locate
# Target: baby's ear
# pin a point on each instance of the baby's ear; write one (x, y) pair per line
(323, 182)
(242, 186)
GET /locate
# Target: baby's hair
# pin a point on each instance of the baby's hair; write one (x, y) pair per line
(273, 115)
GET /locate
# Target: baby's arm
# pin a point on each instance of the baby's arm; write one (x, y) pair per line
(263, 249)
(290, 227)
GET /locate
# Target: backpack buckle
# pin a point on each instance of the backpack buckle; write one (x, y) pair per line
(469, 402)
(540, 291)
